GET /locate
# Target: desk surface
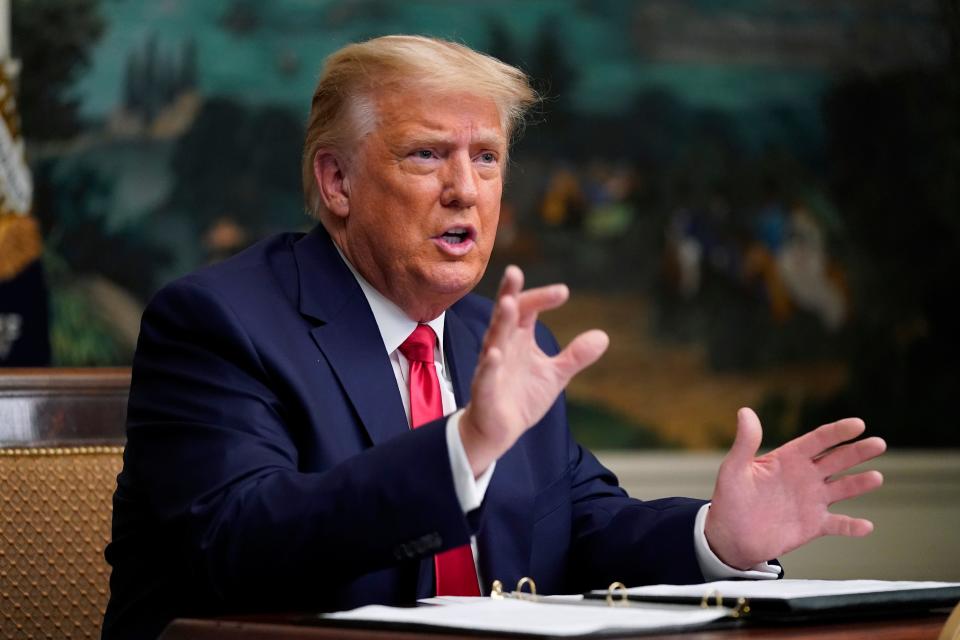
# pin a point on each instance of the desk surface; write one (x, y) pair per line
(922, 628)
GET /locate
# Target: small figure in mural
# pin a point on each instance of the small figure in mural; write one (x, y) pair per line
(789, 259)
(564, 202)
(785, 259)
(224, 238)
(609, 211)
(594, 199)
(811, 278)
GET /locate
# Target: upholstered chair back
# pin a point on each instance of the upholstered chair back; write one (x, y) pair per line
(61, 446)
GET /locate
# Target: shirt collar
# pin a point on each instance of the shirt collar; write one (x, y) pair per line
(395, 326)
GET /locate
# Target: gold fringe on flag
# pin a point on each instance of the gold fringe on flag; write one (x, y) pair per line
(20, 244)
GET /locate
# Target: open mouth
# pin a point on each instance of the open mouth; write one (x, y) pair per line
(457, 235)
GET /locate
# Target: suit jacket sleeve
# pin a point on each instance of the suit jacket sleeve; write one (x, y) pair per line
(212, 462)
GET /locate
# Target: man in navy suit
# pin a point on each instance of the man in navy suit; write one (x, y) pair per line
(271, 464)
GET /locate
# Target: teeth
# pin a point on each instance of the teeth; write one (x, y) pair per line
(456, 235)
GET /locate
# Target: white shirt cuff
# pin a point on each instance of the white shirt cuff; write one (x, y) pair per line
(713, 568)
(470, 490)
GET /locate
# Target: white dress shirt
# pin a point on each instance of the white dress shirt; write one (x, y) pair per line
(395, 327)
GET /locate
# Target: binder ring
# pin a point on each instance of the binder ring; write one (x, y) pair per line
(496, 590)
(742, 609)
(526, 581)
(717, 599)
(617, 588)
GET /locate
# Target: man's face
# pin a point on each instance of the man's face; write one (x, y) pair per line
(424, 198)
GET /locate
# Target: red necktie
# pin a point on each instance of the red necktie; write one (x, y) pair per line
(455, 572)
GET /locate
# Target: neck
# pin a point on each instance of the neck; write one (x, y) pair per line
(413, 307)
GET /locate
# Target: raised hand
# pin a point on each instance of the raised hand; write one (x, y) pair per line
(766, 506)
(516, 382)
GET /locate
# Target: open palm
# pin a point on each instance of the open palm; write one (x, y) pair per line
(516, 382)
(765, 506)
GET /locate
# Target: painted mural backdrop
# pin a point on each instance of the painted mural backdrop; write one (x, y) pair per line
(757, 199)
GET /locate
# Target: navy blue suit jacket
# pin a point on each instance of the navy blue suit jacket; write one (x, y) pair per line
(269, 465)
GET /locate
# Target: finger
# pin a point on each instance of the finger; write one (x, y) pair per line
(839, 525)
(511, 283)
(582, 352)
(853, 486)
(816, 442)
(533, 301)
(487, 366)
(850, 455)
(502, 324)
(747, 441)
(484, 387)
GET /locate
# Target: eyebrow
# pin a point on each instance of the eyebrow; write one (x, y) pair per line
(488, 138)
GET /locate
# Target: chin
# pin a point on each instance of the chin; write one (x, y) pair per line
(453, 279)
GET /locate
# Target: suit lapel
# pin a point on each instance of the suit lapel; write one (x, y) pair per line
(462, 349)
(330, 295)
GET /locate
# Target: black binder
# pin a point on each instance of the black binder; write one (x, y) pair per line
(904, 598)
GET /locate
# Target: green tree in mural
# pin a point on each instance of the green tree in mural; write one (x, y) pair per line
(241, 164)
(501, 44)
(53, 40)
(70, 205)
(555, 78)
(153, 80)
(83, 250)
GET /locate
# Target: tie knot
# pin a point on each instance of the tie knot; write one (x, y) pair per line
(418, 347)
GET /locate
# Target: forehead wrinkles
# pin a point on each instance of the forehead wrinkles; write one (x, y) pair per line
(414, 116)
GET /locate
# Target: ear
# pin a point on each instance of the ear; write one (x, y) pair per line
(331, 176)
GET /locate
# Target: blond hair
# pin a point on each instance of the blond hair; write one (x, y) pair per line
(342, 111)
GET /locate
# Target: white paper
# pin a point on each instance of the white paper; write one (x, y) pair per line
(784, 589)
(448, 600)
(519, 616)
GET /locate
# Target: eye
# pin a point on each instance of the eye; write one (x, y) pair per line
(423, 154)
(487, 157)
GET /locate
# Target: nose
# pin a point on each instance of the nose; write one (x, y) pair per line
(459, 182)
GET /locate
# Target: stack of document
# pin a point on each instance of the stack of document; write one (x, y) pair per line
(660, 607)
(542, 617)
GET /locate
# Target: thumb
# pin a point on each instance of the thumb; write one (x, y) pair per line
(749, 435)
